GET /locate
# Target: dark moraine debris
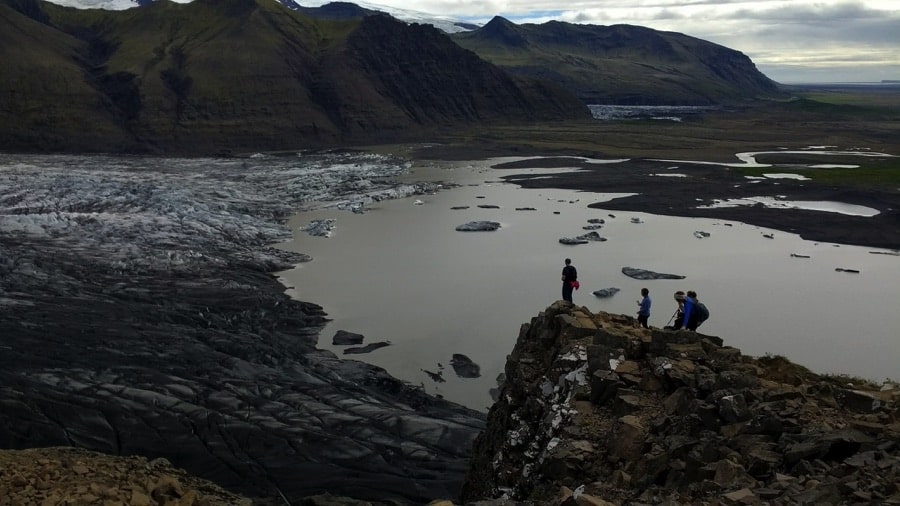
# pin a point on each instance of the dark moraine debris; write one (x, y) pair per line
(797, 255)
(572, 240)
(526, 209)
(489, 206)
(458, 208)
(636, 273)
(342, 337)
(597, 221)
(367, 348)
(437, 377)
(852, 271)
(606, 292)
(320, 228)
(464, 367)
(478, 226)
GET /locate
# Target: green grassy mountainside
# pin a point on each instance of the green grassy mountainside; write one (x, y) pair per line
(236, 75)
(621, 64)
(217, 76)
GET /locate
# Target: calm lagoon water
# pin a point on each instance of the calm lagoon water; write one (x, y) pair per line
(401, 273)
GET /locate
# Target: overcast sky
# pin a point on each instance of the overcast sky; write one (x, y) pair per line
(791, 41)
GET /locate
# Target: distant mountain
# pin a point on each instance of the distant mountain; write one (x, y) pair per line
(242, 75)
(620, 64)
(617, 64)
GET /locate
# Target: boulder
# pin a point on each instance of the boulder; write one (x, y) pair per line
(342, 337)
(478, 226)
(604, 293)
(464, 367)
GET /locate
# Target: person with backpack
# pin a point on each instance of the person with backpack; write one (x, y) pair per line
(695, 312)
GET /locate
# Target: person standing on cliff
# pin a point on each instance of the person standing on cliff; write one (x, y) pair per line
(569, 280)
(644, 310)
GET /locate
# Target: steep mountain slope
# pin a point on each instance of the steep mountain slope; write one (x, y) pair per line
(242, 75)
(620, 64)
(45, 99)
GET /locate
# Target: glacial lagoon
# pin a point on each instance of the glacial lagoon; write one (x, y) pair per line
(400, 272)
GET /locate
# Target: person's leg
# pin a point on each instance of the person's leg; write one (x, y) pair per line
(643, 321)
(567, 292)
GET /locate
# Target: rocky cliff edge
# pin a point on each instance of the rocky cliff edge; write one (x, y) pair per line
(597, 411)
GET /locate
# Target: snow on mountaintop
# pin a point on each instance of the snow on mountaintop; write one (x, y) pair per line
(111, 5)
(447, 24)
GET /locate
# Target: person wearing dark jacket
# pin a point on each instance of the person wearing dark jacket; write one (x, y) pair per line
(569, 280)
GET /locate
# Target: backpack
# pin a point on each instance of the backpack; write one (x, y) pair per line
(702, 312)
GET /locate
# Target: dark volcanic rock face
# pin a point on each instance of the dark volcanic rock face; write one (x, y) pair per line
(644, 416)
(138, 316)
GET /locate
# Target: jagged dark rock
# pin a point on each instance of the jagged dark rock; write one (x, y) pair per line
(636, 273)
(644, 416)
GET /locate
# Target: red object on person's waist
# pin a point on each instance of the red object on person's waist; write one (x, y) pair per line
(576, 285)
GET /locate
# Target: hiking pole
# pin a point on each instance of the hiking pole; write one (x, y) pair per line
(670, 319)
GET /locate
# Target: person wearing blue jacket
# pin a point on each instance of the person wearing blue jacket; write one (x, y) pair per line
(690, 311)
(644, 310)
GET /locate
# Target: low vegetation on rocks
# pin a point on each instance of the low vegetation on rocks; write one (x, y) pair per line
(595, 410)
(74, 476)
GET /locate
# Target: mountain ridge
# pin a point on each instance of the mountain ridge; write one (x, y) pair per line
(243, 75)
(620, 64)
(248, 75)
